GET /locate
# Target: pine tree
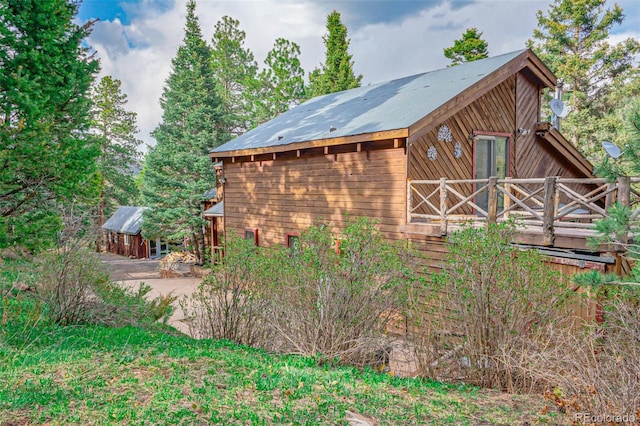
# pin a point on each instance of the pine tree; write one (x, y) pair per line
(177, 169)
(281, 82)
(572, 39)
(115, 130)
(470, 47)
(336, 74)
(235, 72)
(46, 155)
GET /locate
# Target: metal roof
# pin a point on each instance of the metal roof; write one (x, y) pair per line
(386, 106)
(216, 210)
(126, 220)
(212, 193)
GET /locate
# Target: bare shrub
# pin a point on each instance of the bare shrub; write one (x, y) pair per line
(74, 287)
(596, 369)
(488, 311)
(336, 304)
(311, 299)
(229, 304)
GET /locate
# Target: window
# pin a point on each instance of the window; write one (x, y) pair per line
(251, 234)
(127, 239)
(293, 242)
(491, 158)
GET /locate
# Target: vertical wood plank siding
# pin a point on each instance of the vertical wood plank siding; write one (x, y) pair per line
(137, 247)
(288, 195)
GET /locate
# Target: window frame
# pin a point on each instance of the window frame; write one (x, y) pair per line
(490, 136)
(255, 235)
(288, 237)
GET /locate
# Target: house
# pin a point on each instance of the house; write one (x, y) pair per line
(422, 154)
(123, 237)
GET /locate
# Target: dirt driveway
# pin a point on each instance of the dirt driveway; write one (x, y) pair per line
(131, 272)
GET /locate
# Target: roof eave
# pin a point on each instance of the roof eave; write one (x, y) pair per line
(319, 143)
(527, 59)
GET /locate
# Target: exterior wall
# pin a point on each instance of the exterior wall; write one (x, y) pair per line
(513, 104)
(492, 112)
(137, 247)
(534, 157)
(288, 195)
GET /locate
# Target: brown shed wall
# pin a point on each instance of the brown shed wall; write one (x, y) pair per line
(136, 248)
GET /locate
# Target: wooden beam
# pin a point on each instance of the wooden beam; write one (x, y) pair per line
(443, 206)
(549, 213)
(492, 211)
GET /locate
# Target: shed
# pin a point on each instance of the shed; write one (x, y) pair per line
(122, 233)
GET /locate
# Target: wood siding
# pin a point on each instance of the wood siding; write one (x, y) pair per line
(492, 112)
(288, 195)
(513, 104)
(137, 247)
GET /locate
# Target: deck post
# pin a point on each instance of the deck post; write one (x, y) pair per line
(506, 198)
(549, 207)
(492, 210)
(624, 190)
(409, 200)
(443, 206)
(624, 195)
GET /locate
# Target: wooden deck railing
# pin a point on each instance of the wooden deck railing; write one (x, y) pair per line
(549, 203)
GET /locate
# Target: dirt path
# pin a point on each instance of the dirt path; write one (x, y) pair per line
(132, 272)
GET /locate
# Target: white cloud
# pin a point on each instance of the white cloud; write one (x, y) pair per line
(381, 51)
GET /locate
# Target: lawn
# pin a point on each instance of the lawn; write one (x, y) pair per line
(99, 375)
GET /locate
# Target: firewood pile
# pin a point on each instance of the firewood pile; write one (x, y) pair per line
(169, 264)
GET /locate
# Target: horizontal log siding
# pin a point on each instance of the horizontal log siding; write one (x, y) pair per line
(289, 195)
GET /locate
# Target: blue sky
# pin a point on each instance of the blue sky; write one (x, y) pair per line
(136, 39)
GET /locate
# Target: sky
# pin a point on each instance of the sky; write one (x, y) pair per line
(135, 40)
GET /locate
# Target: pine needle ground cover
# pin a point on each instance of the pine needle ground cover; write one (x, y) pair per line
(102, 375)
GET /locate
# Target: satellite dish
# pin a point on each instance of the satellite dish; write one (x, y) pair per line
(565, 111)
(612, 149)
(558, 107)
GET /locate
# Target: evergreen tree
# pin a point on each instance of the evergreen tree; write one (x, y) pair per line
(177, 169)
(46, 155)
(282, 81)
(470, 47)
(235, 73)
(115, 130)
(572, 39)
(336, 74)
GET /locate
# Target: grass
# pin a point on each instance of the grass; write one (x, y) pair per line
(126, 376)
(99, 375)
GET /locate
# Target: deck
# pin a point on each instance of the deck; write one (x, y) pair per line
(552, 212)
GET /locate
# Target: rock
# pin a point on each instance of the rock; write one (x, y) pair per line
(357, 419)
